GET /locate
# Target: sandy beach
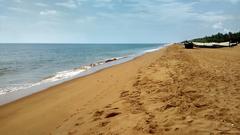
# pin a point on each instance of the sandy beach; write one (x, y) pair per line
(170, 91)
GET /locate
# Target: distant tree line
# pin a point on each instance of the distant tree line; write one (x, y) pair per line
(219, 37)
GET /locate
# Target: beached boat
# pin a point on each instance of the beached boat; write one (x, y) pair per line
(214, 44)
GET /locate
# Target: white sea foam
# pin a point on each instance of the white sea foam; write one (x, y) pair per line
(151, 50)
(156, 49)
(65, 75)
(16, 91)
(168, 44)
(59, 76)
(14, 87)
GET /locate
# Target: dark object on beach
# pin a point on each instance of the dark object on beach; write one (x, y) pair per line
(92, 65)
(113, 114)
(188, 45)
(110, 60)
(233, 43)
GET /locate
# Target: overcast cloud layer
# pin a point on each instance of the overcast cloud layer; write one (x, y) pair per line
(115, 21)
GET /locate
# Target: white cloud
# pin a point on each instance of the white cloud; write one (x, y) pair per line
(218, 25)
(41, 4)
(48, 12)
(178, 11)
(157, 10)
(47, 23)
(108, 4)
(234, 1)
(79, 2)
(17, 9)
(103, 0)
(68, 4)
(211, 17)
(170, 12)
(138, 17)
(18, 1)
(86, 19)
(226, 30)
(231, 1)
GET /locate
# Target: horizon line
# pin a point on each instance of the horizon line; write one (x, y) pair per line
(83, 43)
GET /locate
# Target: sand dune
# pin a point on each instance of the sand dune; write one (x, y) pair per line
(171, 91)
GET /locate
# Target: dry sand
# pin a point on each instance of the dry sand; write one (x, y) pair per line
(171, 91)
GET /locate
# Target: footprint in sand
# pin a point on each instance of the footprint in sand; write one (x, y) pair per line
(108, 106)
(97, 115)
(72, 132)
(104, 123)
(124, 94)
(107, 113)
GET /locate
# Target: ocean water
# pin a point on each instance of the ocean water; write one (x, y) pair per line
(23, 66)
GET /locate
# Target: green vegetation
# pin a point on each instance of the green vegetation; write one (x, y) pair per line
(232, 37)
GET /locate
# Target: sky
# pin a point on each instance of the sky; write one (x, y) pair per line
(115, 21)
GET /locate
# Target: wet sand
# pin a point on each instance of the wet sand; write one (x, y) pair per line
(171, 91)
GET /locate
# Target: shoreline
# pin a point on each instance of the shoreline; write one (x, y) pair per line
(93, 68)
(152, 94)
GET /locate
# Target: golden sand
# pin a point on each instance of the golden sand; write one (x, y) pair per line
(171, 91)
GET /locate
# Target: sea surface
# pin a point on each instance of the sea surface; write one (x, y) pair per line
(23, 66)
